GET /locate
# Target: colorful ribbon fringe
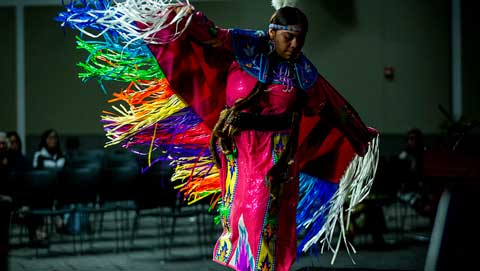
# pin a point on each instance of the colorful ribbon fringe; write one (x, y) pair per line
(147, 117)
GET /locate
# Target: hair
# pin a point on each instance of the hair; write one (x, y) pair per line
(290, 16)
(43, 142)
(15, 134)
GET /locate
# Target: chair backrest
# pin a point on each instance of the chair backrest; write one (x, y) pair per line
(35, 188)
(119, 183)
(86, 162)
(120, 158)
(155, 188)
(79, 185)
(86, 158)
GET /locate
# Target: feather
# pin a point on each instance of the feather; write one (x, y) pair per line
(277, 4)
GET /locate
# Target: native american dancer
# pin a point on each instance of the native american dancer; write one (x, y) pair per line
(243, 117)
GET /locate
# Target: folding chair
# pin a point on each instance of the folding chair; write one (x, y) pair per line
(78, 196)
(117, 195)
(36, 189)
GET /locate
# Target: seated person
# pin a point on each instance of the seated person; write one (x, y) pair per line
(413, 190)
(4, 144)
(49, 154)
(18, 161)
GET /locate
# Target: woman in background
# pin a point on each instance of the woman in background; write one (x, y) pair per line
(4, 146)
(17, 159)
(49, 154)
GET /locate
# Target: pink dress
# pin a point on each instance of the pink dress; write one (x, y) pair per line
(256, 235)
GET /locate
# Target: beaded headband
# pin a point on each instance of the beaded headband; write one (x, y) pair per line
(293, 27)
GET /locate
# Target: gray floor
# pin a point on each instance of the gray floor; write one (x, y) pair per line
(404, 251)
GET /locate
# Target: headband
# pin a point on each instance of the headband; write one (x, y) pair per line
(293, 27)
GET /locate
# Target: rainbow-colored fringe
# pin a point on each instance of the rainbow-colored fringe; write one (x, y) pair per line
(147, 117)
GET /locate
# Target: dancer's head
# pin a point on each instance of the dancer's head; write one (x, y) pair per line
(287, 31)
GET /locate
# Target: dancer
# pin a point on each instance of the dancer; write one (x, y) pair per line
(242, 115)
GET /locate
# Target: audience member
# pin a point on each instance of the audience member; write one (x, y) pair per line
(413, 153)
(4, 145)
(17, 160)
(49, 154)
(4, 160)
(413, 189)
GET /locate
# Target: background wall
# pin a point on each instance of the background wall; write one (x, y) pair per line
(349, 41)
(471, 57)
(8, 114)
(55, 97)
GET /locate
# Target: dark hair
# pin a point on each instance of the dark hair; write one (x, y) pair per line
(290, 16)
(43, 142)
(15, 134)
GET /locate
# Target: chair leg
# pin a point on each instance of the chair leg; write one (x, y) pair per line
(10, 227)
(172, 235)
(124, 227)
(169, 238)
(134, 228)
(115, 219)
(100, 230)
(159, 232)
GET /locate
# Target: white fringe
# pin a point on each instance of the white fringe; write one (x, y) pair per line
(122, 16)
(354, 187)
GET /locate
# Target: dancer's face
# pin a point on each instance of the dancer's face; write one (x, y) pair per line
(288, 44)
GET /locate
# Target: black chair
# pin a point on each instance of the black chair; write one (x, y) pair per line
(78, 197)
(198, 214)
(87, 158)
(160, 199)
(117, 194)
(154, 197)
(36, 190)
(119, 158)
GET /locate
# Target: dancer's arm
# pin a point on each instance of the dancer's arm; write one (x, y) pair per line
(324, 100)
